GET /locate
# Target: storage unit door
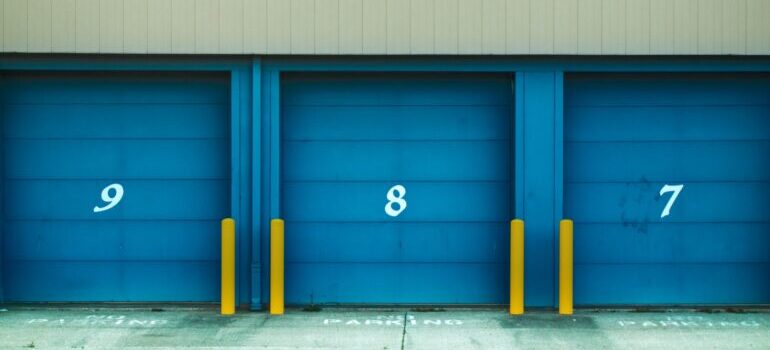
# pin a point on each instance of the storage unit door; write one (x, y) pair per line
(113, 186)
(667, 179)
(396, 187)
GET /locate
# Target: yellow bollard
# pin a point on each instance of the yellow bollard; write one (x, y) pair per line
(565, 266)
(227, 305)
(517, 267)
(276, 266)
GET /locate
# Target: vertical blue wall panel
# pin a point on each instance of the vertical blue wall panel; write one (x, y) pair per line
(540, 94)
(269, 149)
(242, 186)
(164, 137)
(255, 194)
(2, 192)
(628, 135)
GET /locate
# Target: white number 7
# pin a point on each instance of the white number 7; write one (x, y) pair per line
(670, 188)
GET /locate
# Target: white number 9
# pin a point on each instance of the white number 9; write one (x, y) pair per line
(111, 201)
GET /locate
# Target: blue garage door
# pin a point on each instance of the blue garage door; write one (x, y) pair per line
(113, 185)
(667, 179)
(355, 146)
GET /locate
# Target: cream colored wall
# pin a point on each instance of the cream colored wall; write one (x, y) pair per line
(416, 27)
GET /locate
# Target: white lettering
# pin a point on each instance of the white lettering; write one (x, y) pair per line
(111, 199)
(395, 195)
(676, 189)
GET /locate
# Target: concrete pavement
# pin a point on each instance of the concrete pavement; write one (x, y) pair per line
(386, 329)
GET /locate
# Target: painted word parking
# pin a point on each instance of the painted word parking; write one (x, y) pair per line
(395, 320)
(692, 322)
(99, 320)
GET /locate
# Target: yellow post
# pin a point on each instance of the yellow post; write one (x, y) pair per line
(565, 266)
(517, 267)
(227, 305)
(276, 266)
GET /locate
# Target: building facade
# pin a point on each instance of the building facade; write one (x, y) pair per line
(396, 138)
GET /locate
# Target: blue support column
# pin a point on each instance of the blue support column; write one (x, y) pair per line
(240, 197)
(270, 167)
(2, 178)
(243, 287)
(240, 186)
(256, 184)
(275, 146)
(539, 182)
(235, 160)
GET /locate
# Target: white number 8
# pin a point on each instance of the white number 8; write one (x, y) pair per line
(111, 201)
(395, 196)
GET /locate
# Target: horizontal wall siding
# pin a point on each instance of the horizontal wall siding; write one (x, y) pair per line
(397, 27)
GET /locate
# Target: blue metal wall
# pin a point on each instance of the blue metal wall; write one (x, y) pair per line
(348, 138)
(629, 135)
(66, 136)
(266, 159)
